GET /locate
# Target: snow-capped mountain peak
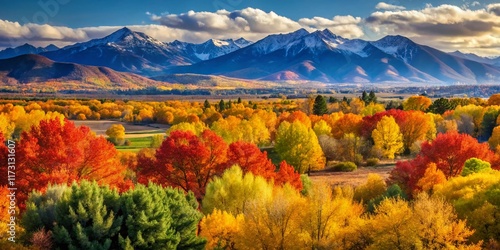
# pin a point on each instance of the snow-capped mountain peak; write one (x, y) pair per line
(399, 46)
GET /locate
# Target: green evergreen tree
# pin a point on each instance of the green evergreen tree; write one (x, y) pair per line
(229, 104)
(41, 209)
(440, 106)
(185, 218)
(255, 106)
(148, 222)
(86, 218)
(332, 99)
(372, 97)
(320, 106)
(206, 104)
(364, 97)
(239, 100)
(222, 105)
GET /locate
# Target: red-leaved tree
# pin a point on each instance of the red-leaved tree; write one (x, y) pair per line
(187, 161)
(449, 152)
(249, 157)
(62, 153)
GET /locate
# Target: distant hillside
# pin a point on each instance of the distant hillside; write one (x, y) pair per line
(35, 71)
(213, 81)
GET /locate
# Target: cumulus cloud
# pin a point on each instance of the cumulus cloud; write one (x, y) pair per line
(386, 6)
(346, 26)
(222, 21)
(13, 31)
(494, 8)
(445, 26)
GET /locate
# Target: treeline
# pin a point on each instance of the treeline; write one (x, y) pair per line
(444, 197)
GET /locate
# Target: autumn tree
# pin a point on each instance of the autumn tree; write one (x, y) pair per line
(373, 187)
(273, 223)
(494, 140)
(474, 165)
(448, 151)
(474, 198)
(419, 103)
(429, 223)
(250, 159)
(116, 134)
(494, 100)
(299, 146)
(187, 161)
(322, 128)
(62, 153)
(347, 124)
(234, 190)
(432, 177)
(328, 217)
(387, 137)
(288, 175)
(221, 229)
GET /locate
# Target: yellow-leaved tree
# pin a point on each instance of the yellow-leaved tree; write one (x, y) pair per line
(116, 134)
(221, 228)
(298, 145)
(387, 137)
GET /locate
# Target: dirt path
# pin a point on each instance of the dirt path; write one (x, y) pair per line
(100, 127)
(352, 178)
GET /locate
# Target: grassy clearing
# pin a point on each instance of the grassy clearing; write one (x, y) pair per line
(136, 144)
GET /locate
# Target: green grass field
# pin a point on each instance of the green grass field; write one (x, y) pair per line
(136, 144)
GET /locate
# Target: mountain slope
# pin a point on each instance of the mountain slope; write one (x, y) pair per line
(40, 71)
(25, 49)
(124, 50)
(212, 48)
(323, 56)
(473, 57)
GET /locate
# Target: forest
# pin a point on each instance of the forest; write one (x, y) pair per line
(235, 174)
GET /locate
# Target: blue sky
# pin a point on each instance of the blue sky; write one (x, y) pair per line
(84, 13)
(469, 26)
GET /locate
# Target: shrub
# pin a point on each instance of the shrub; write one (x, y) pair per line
(372, 162)
(127, 143)
(345, 167)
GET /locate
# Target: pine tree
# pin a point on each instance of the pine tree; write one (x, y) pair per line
(239, 100)
(222, 105)
(364, 97)
(320, 106)
(148, 222)
(87, 218)
(372, 97)
(206, 104)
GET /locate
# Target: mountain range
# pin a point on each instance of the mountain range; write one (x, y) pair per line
(25, 49)
(298, 56)
(35, 71)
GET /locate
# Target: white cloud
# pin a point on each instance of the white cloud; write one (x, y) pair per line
(346, 26)
(222, 21)
(386, 6)
(447, 27)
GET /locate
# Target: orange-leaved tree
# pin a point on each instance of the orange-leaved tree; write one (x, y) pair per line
(56, 152)
(187, 161)
(449, 152)
(250, 159)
